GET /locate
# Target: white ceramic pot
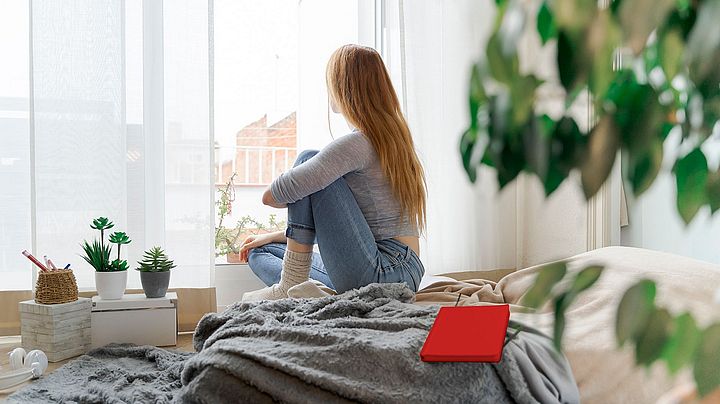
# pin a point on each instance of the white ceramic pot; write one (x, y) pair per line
(111, 285)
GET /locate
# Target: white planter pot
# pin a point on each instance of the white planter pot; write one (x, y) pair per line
(111, 285)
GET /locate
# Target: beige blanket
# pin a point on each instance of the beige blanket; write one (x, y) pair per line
(604, 374)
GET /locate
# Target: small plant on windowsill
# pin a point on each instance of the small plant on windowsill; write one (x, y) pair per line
(155, 272)
(228, 239)
(110, 276)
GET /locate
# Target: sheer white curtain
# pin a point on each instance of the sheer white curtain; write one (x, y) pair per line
(106, 144)
(430, 47)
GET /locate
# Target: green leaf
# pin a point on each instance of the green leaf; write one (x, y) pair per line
(634, 311)
(691, 174)
(561, 304)
(602, 148)
(522, 92)
(502, 67)
(546, 24)
(585, 278)
(155, 260)
(102, 223)
(548, 276)
(681, 346)
(467, 145)
(707, 361)
(119, 238)
(650, 341)
(713, 190)
(645, 168)
(641, 17)
(602, 40)
(670, 52)
(566, 62)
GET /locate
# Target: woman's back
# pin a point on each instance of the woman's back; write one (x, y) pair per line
(354, 158)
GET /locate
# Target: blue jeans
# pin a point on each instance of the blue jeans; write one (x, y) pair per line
(349, 255)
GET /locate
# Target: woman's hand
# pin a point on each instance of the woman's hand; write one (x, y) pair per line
(260, 240)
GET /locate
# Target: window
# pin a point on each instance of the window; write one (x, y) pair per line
(15, 180)
(148, 110)
(270, 99)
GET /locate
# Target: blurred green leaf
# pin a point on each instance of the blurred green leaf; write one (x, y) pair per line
(646, 166)
(585, 278)
(603, 39)
(548, 276)
(561, 304)
(634, 311)
(503, 67)
(522, 92)
(467, 144)
(545, 24)
(670, 52)
(573, 15)
(603, 146)
(477, 95)
(680, 348)
(713, 190)
(567, 149)
(691, 174)
(703, 48)
(651, 340)
(707, 361)
(641, 17)
(569, 62)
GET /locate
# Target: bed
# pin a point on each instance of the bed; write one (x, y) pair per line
(602, 373)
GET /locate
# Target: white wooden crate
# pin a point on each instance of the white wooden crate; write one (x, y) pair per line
(62, 331)
(135, 319)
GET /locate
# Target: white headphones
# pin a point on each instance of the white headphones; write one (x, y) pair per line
(24, 366)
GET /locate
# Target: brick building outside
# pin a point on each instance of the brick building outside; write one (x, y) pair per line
(261, 152)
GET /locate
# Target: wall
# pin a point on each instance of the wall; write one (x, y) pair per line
(552, 228)
(653, 219)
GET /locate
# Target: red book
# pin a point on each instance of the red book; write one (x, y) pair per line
(467, 334)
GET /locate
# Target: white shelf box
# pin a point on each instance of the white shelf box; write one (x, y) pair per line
(135, 319)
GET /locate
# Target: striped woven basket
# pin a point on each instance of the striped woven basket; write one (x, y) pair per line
(55, 287)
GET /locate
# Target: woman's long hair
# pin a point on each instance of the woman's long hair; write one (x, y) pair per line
(360, 86)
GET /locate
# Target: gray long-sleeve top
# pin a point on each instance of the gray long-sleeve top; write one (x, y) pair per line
(354, 158)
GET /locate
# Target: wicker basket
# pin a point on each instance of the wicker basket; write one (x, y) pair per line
(55, 287)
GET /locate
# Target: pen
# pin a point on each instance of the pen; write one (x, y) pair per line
(67, 266)
(34, 260)
(52, 265)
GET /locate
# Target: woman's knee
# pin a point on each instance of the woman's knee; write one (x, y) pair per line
(304, 156)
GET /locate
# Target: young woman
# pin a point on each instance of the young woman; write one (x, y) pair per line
(361, 198)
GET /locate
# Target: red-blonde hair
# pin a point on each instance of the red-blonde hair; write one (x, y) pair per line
(360, 86)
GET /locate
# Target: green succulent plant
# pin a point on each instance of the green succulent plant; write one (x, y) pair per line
(119, 265)
(155, 260)
(119, 238)
(98, 254)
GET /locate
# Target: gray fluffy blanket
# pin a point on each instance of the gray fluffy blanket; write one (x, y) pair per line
(361, 346)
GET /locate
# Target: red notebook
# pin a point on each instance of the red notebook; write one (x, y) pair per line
(467, 334)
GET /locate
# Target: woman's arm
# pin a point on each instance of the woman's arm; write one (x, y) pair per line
(269, 200)
(349, 153)
(259, 241)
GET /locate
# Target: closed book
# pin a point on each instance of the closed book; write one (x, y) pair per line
(467, 334)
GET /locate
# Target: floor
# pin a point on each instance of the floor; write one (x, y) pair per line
(7, 344)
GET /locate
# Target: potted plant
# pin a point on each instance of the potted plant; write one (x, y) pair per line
(110, 276)
(228, 239)
(155, 272)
